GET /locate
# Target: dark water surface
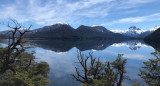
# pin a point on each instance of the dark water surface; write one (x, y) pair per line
(61, 55)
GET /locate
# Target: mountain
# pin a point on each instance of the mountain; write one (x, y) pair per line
(58, 30)
(154, 39)
(4, 32)
(96, 32)
(135, 32)
(63, 31)
(7, 33)
(53, 27)
(155, 36)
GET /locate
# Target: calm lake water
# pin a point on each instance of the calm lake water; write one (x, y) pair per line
(61, 56)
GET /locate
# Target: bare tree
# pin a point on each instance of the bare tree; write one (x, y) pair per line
(96, 73)
(91, 68)
(83, 62)
(15, 44)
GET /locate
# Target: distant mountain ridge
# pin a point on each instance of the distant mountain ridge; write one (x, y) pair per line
(135, 32)
(63, 30)
(51, 27)
(4, 32)
(96, 32)
(58, 30)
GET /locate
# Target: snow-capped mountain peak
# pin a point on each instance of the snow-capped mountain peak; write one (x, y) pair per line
(59, 23)
(133, 28)
(51, 27)
(155, 28)
(118, 31)
(133, 31)
(94, 25)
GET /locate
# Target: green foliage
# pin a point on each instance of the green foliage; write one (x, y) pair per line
(17, 66)
(107, 76)
(97, 73)
(136, 84)
(119, 64)
(26, 72)
(151, 71)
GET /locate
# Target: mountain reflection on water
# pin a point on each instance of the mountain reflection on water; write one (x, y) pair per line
(61, 55)
(82, 45)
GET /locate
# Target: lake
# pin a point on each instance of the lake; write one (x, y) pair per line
(61, 55)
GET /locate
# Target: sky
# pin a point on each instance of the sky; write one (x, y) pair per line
(112, 14)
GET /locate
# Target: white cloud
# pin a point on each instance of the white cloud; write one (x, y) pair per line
(94, 12)
(54, 11)
(138, 44)
(152, 17)
(126, 4)
(47, 12)
(57, 65)
(86, 4)
(135, 56)
(118, 31)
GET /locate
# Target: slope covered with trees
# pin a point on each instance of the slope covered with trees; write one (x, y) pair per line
(155, 36)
